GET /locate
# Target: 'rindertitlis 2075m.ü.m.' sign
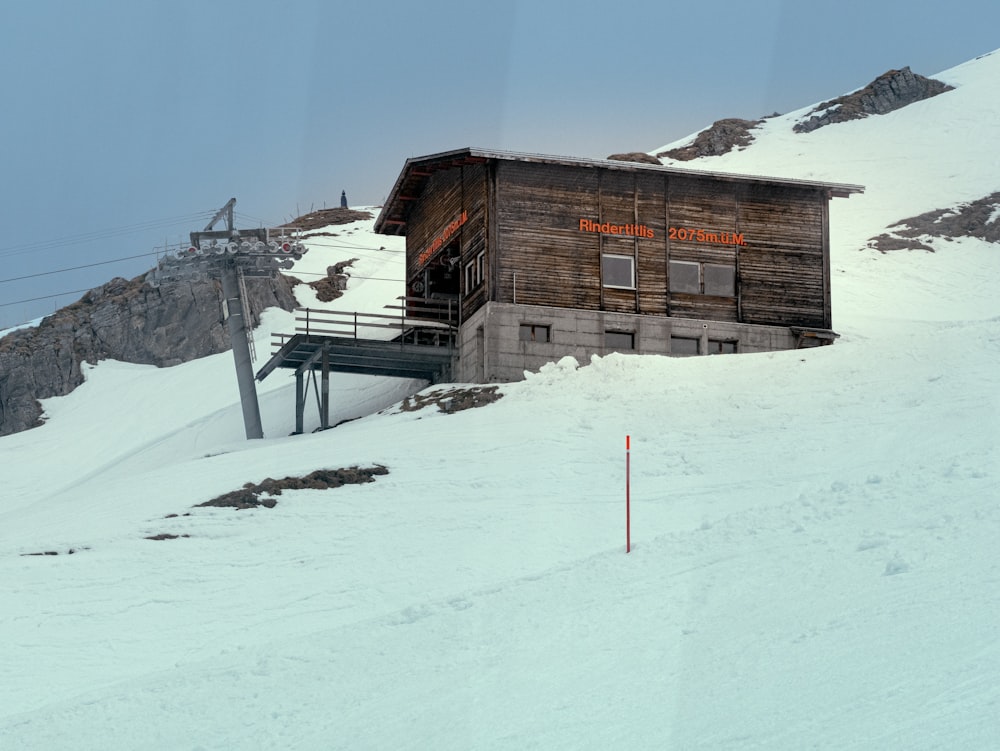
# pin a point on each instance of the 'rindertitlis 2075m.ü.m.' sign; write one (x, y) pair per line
(673, 233)
(607, 228)
(705, 236)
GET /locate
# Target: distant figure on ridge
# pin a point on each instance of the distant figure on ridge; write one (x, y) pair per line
(343, 199)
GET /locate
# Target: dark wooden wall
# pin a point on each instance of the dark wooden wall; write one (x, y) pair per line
(446, 195)
(708, 205)
(538, 210)
(783, 271)
(526, 216)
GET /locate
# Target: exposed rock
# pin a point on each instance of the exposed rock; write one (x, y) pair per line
(720, 138)
(634, 156)
(979, 218)
(334, 283)
(890, 91)
(326, 217)
(249, 496)
(124, 320)
(453, 400)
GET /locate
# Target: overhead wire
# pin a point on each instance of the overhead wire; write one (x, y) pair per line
(77, 268)
(44, 297)
(86, 237)
(146, 226)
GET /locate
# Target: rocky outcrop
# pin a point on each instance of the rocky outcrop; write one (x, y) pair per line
(720, 138)
(890, 91)
(979, 218)
(634, 156)
(332, 286)
(124, 320)
(325, 217)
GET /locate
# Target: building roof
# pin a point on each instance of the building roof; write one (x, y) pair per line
(410, 183)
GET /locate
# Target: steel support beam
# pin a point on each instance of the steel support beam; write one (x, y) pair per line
(233, 306)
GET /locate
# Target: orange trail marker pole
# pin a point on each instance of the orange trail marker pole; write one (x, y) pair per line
(628, 493)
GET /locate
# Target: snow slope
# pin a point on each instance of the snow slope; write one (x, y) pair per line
(813, 560)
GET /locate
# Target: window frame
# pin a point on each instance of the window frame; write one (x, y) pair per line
(618, 257)
(695, 339)
(704, 278)
(673, 276)
(701, 265)
(475, 272)
(616, 347)
(732, 342)
(534, 329)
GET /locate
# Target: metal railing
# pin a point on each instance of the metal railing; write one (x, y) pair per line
(419, 321)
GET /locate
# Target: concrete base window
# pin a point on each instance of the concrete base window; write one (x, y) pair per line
(619, 341)
(721, 347)
(680, 345)
(534, 332)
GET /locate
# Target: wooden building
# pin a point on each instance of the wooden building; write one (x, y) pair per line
(551, 256)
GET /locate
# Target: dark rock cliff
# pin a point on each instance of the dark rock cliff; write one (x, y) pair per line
(892, 90)
(124, 320)
(720, 138)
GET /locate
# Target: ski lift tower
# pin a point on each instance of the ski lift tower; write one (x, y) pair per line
(230, 255)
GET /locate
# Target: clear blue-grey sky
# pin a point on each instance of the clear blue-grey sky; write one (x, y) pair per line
(126, 123)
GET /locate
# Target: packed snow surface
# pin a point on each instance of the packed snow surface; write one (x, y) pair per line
(814, 532)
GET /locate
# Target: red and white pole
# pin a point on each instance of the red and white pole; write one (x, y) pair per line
(628, 494)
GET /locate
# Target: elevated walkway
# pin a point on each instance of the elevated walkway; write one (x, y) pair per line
(418, 342)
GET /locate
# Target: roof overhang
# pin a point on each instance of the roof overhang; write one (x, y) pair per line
(410, 184)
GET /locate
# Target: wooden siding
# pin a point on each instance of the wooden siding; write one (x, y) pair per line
(782, 269)
(440, 205)
(450, 194)
(526, 216)
(543, 258)
(651, 268)
(474, 191)
(711, 207)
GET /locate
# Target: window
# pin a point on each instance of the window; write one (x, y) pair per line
(685, 277)
(619, 341)
(703, 278)
(618, 271)
(721, 347)
(682, 345)
(720, 280)
(534, 332)
(475, 272)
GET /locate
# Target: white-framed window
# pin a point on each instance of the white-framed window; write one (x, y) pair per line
(475, 272)
(617, 271)
(693, 278)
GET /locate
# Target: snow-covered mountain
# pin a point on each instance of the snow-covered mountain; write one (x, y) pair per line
(814, 532)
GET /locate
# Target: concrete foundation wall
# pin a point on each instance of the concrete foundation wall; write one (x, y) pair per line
(490, 348)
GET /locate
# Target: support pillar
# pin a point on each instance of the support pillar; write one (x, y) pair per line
(300, 402)
(233, 309)
(324, 410)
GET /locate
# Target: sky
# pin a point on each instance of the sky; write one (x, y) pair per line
(127, 124)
